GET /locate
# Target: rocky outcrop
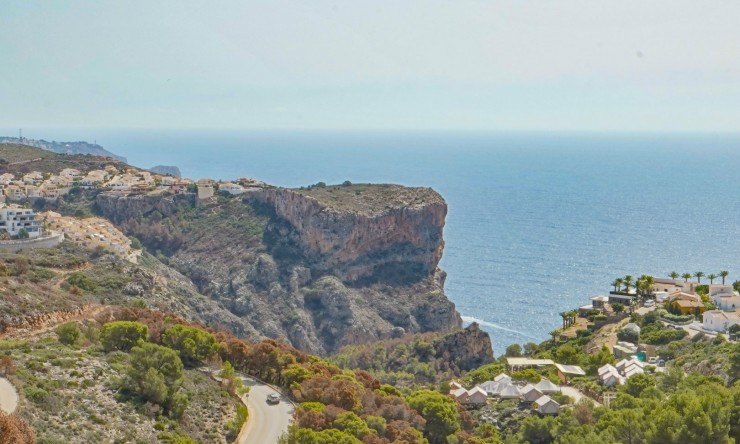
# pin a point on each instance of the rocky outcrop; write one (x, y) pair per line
(464, 350)
(320, 268)
(166, 170)
(395, 240)
(120, 208)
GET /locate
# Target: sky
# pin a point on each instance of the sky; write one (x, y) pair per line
(516, 65)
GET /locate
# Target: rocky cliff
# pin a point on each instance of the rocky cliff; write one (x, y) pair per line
(377, 233)
(320, 268)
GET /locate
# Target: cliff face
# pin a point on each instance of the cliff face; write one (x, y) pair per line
(318, 268)
(362, 243)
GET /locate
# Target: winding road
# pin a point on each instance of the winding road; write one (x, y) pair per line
(266, 422)
(8, 396)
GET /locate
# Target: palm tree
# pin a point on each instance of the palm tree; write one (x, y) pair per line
(617, 284)
(686, 277)
(564, 315)
(698, 275)
(711, 278)
(627, 283)
(723, 275)
(555, 333)
(673, 275)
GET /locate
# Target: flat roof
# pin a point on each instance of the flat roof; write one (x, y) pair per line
(528, 361)
(570, 369)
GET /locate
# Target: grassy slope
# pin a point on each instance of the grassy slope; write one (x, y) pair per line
(371, 198)
(68, 396)
(50, 162)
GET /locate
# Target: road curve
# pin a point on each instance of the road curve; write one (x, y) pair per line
(266, 422)
(8, 396)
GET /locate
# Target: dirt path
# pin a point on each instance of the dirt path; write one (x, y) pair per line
(49, 321)
(8, 396)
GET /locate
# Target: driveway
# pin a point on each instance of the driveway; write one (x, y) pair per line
(576, 394)
(266, 422)
(8, 396)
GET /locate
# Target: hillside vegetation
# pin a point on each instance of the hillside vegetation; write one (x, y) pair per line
(23, 159)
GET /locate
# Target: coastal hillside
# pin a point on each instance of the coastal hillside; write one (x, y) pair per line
(78, 147)
(20, 159)
(317, 273)
(319, 267)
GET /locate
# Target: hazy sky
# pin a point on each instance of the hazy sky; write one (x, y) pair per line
(492, 65)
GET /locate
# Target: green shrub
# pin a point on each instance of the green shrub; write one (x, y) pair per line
(69, 333)
(194, 345)
(123, 335)
(81, 280)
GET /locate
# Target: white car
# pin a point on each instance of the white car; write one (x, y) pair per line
(273, 398)
(649, 303)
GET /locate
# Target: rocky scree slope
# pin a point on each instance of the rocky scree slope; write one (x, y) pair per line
(321, 268)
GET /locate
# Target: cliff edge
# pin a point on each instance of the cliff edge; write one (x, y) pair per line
(320, 268)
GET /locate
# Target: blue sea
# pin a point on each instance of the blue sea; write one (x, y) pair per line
(537, 223)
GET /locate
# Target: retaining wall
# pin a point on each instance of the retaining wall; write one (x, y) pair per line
(27, 244)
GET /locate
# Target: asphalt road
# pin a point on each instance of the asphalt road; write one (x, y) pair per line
(267, 422)
(8, 396)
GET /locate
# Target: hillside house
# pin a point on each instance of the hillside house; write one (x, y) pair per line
(530, 393)
(476, 396)
(70, 172)
(14, 192)
(720, 321)
(14, 219)
(667, 285)
(724, 297)
(609, 376)
(205, 188)
(231, 188)
(568, 371)
(547, 406)
(509, 391)
(546, 387)
(688, 307)
(461, 395)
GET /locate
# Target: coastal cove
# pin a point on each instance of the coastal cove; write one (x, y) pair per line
(537, 223)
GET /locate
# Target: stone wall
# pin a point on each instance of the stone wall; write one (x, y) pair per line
(27, 244)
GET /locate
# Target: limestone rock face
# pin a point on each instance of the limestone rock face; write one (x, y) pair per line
(465, 349)
(398, 240)
(120, 208)
(319, 268)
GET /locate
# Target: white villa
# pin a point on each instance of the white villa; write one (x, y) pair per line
(530, 393)
(14, 219)
(720, 321)
(724, 297)
(547, 406)
(231, 188)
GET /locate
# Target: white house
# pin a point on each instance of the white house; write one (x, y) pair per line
(547, 406)
(609, 376)
(13, 220)
(530, 393)
(510, 391)
(502, 377)
(546, 386)
(460, 394)
(720, 321)
(476, 396)
(231, 188)
(490, 387)
(667, 285)
(454, 385)
(724, 297)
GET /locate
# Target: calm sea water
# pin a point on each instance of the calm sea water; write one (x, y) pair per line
(537, 223)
